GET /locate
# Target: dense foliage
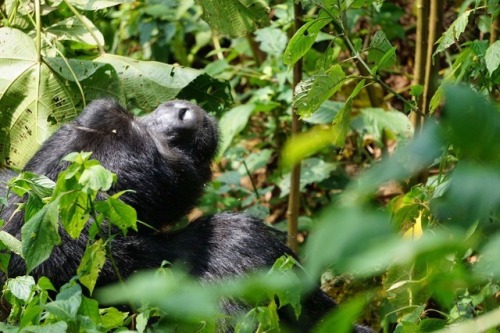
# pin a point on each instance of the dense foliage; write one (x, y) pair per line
(400, 179)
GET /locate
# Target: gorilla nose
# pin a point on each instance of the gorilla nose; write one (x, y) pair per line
(179, 115)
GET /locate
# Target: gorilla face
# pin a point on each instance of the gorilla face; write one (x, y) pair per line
(164, 157)
(182, 125)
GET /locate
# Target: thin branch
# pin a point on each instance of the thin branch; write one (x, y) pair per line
(292, 213)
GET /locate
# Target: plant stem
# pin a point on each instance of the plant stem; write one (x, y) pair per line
(38, 27)
(432, 67)
(421, 59)
(495, 26)
(292, 213)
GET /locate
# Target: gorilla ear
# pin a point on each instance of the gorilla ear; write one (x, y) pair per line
(104, 114)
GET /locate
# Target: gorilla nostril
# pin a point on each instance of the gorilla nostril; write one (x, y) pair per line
(182, 113)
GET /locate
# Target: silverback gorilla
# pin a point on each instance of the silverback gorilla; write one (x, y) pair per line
(165, 158)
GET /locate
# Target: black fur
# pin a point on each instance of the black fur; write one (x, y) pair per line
(165, 158)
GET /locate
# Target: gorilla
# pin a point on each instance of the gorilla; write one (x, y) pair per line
(165, 158)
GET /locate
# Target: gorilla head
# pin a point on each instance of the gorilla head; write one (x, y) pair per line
(163, 157)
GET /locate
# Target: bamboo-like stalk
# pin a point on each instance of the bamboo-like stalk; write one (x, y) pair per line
(421, 47)
(292, 213)
(495, 26)
(432, 65)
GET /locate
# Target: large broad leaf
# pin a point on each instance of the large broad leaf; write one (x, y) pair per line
(148, 83)
(235, 17)
(33, 99)
(97, 80)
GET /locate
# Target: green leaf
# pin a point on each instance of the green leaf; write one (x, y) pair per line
(272, 40)
(21, 287)
(235, 18)
(73, 29)
(141, 321)
(26, 181)
(11, 242)
(305, 144)
(211, 94)
(97, 178)
(453, 33)
(325, 114)
(118, 213)
(112, 318)
(284, 266)
(96, 4)
(342, 120)
(90, 309)
(40, 234)
(469, 118)
(311, 93)
(232, 123)
(59, 327)
(342, 318)
(67, 303)
(313, 170)
(148, 83)
(376, 121)
(74, 212)
(416, 90)
(492, 57)
(98, 80)
(302, 40)
(381, 53)
(91, 264)
(34, 101)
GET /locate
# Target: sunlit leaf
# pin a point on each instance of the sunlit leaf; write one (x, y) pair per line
(492, 57)
(453, 32)
(34, 101)
(21, 287)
